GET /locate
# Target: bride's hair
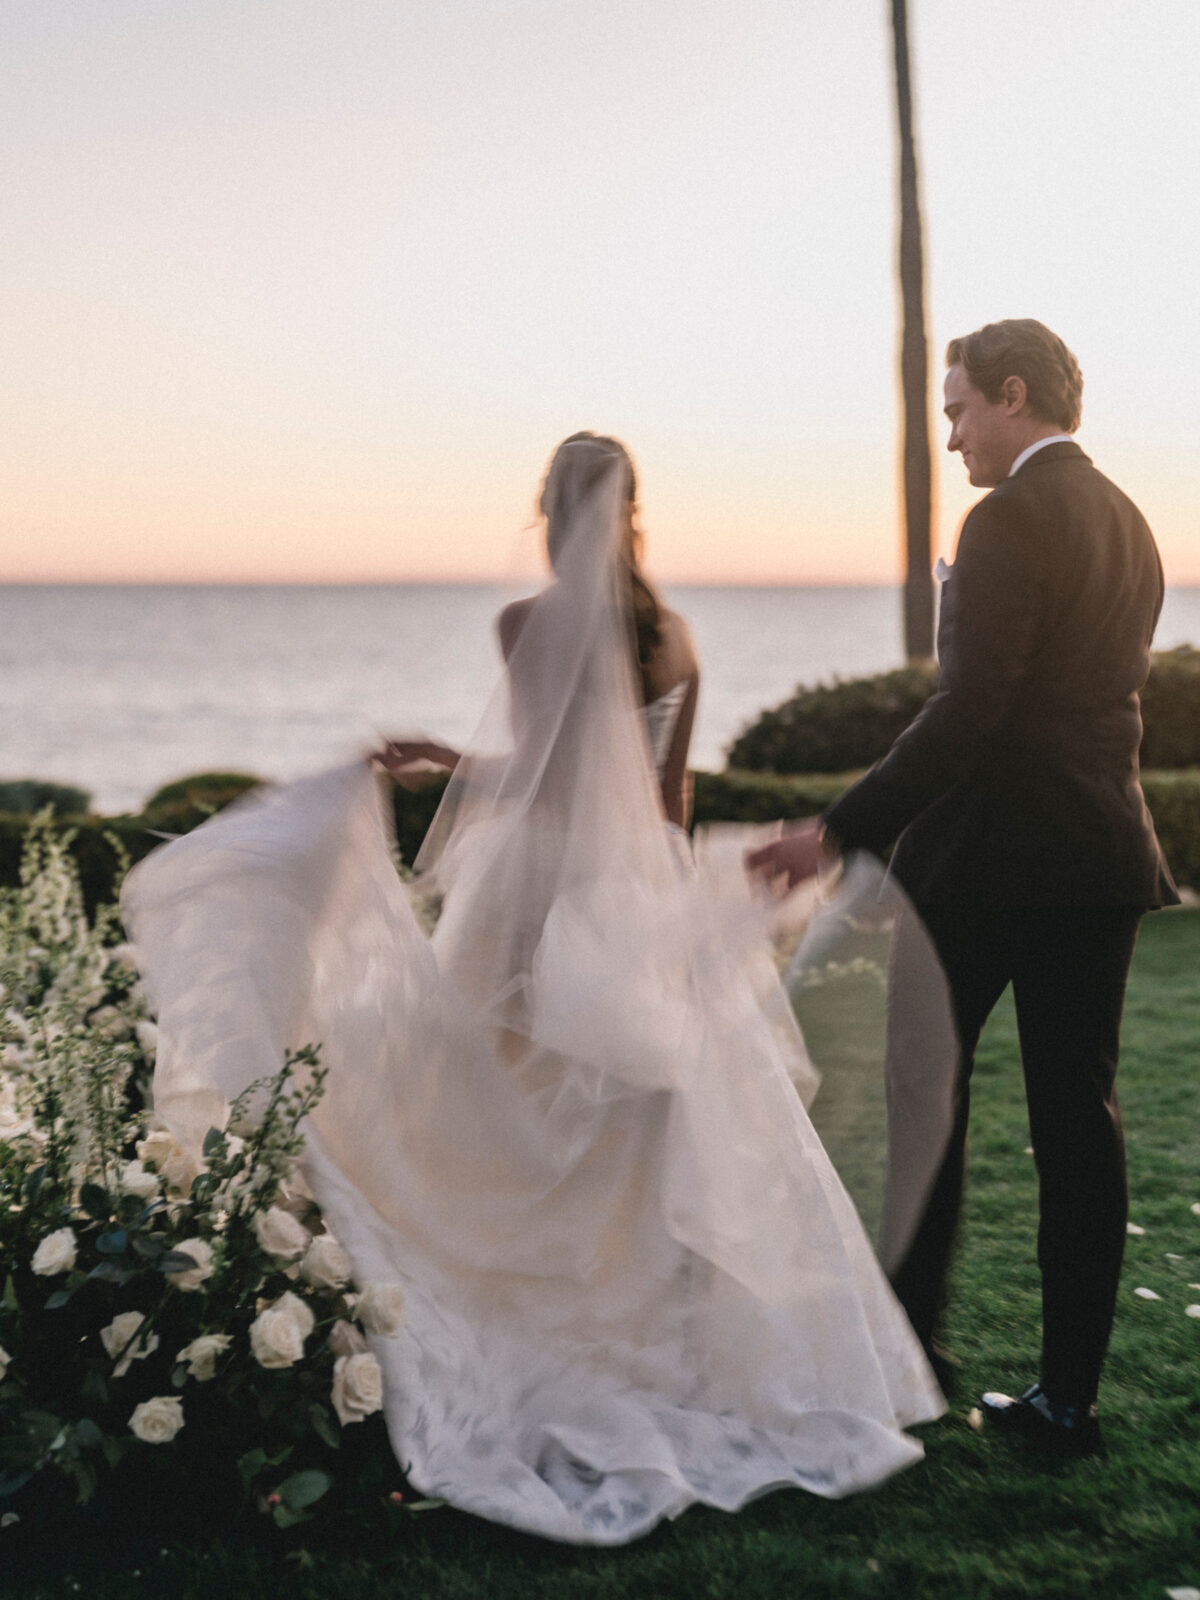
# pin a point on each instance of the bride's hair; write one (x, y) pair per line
(575, 470)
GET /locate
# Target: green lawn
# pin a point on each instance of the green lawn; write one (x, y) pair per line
(980, 1518)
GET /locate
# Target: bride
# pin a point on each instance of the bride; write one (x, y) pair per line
(566, 1120)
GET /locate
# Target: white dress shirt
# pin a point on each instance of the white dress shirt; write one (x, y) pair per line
(1039, 444)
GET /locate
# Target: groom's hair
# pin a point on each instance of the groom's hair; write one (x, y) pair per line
(1022, 348)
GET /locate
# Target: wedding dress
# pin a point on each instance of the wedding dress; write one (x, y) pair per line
(566, 1122)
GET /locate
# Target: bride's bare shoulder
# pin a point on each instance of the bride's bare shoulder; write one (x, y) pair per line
(510, 622)
(678, 649)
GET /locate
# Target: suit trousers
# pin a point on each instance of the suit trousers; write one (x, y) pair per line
(1068, 967)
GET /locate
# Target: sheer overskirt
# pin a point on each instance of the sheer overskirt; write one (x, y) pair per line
(568, 1122)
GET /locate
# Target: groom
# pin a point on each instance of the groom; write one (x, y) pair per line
(1021, 834)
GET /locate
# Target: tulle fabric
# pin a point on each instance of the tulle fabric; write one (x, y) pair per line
(568, 1122)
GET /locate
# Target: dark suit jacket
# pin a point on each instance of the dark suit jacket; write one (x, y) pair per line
(1017, 784)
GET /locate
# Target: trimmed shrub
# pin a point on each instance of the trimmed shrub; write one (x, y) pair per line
(1171, 710)
(834, 727)
(24, 796)
(763, 796)
(851, 723)
(1173, 799)
(181, 806)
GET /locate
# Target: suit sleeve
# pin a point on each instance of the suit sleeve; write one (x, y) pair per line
(992, 607)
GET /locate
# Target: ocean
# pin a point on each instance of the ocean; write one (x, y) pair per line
(121, 689)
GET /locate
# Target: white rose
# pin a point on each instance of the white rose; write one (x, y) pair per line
(380, 1309)
(56, 1253)
(109, 1022)
(161, 1151)
(326, 1265)
(135, 1179)
(280, 1234)
(147, 1037)
(157, 1147)
(201, 1355)
(157, 1421)
(13, 1121)
(119, 1339)
(357, 1387)
(346, 1340)
(5, 1358)
(19, 1024)
(201, 1253)
(299, 1311)
(13, 1058)
(277, 1334)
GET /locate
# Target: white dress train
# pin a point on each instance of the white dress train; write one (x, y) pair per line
(566, 1123)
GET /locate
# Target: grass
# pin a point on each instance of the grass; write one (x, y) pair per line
(980, 1518)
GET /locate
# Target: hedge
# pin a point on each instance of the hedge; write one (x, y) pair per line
(850, 723)
(1173, 799)
(99, 842)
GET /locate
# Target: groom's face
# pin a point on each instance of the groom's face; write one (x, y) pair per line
(984, 433)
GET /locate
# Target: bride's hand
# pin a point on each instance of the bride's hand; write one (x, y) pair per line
(413, 762)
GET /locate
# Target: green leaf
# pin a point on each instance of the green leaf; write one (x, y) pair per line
(176, 1261)
(130, 1209)
(11, 1303)
(323, 1426)
(213, 1141)
(110, 1272)
(94, 1388)
(58, 1299)
(148, 1245)
(95, 1201)
(203, 1188)
(112, 1242)
(285, 1517)
(86, 1480)
(33, 1184)
(10, 1482)
(304, 1488)
(87, 1434)
(251, 1464)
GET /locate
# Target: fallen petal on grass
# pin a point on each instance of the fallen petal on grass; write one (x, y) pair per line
(975, 1419)
(1133, 1228)
(1147, 1294)
(1191, 1311)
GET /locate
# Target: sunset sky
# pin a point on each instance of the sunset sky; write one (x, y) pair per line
(308, 289)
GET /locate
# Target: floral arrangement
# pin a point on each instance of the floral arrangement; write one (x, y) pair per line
(172, 1329)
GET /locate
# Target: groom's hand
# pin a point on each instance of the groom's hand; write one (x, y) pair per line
(801, 853)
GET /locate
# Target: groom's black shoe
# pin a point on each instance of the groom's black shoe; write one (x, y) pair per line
(1063, 1430)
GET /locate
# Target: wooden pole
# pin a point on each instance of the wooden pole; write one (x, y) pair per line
(914, 370)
